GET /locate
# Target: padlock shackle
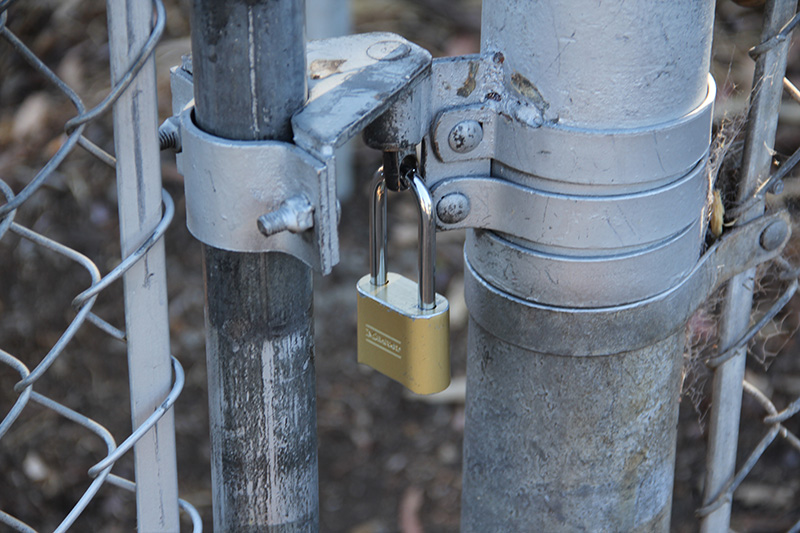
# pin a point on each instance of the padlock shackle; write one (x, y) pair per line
(427, 236)
(377, 230)
(427, 241)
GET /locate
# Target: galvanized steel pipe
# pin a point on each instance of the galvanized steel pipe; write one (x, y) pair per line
(569, 441)
(249, 78)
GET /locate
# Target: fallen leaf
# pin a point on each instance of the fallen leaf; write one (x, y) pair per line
(30, 119)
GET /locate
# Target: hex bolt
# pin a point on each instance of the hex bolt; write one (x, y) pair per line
(774, 235)
(465, 136)
(295, 214)
(453, 208)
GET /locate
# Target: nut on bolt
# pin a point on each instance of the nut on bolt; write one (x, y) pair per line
(295, 214)
(169, 135)
(465, 136)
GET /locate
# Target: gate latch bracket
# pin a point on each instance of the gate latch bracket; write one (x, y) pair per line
(354, 81)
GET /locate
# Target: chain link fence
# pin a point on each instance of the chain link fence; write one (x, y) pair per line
(21, 229)
(32, 371)
(749, 182)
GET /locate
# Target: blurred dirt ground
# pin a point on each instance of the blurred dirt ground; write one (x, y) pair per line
(388, 462)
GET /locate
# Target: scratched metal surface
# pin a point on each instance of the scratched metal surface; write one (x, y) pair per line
(387, 463)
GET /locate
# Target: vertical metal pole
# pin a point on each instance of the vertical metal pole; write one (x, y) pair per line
(146, 319)
(326, 19)
(575, 443)
(726, 402)
(249, 78)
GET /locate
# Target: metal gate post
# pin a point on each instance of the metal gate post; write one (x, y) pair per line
(146, 318)
(571, 424)
(249, 77)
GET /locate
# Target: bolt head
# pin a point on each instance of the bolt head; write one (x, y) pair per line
(777, 187)
(465, 136)
(773, 235)
(453, 208)
(388, 50)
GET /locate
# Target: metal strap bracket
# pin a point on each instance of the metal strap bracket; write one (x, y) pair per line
(230, 185)
(565, 203)
(600, 331)
(484, 112)
(567, 221)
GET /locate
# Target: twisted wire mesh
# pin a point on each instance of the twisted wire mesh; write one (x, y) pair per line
(84, 302)
(774, 420)
(786, 280)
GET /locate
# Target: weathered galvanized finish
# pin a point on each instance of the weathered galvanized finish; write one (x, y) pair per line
(582, 332)
(332, 18)
(262, 392)
(576, 443)
(603, 65)
(249, 58)
(249, 78)
(146, 319)
(569, 443)
(726, 402)
(575, 200)
(250, 179)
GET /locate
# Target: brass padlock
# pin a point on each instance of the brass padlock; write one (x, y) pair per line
(404, 327)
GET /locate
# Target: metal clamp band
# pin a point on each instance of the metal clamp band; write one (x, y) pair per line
(580, 281)
(610, 330)
(574, 222)
(641, 157)
(229, 184)
(567, 158)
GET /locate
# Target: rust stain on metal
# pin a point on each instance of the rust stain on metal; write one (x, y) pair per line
(470, 83)
(322, 68)
(527, 89)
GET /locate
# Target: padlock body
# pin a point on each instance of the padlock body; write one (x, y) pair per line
(400, 340)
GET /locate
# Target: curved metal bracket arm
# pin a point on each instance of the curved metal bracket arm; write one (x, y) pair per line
(230, 184)
(548, 218)
(353, 80)
(606, 331)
